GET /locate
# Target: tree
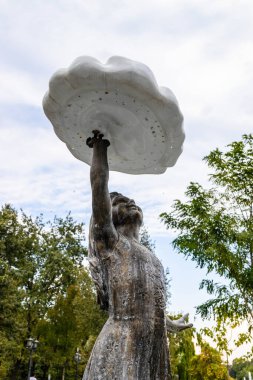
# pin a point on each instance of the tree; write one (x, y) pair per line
(41, 273)
(70, 323)
(240, 368)
(12, 323)
(181, 352)
(215, 229)
(208, 365)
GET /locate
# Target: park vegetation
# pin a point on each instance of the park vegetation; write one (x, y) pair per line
(214, 228)
(241, 368)
(45, 293)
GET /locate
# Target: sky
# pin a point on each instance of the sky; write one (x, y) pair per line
(202, 50)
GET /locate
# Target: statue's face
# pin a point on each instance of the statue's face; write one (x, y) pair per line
(124, 210)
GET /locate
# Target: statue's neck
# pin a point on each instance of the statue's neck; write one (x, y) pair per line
(129, 231)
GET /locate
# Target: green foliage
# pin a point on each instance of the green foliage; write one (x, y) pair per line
(215, 229)
(69, 324)
(45, 293)
(208, 365)
(219, 337)
(240, 368)
(181, 349)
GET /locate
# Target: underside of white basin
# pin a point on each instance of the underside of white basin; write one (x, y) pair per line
(122, 100)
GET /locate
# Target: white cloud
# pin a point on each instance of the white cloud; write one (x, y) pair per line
(19, 87)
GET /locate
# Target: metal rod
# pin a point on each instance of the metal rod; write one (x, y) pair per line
(30, 366)
(76, 370)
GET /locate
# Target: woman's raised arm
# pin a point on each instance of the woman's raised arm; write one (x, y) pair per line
(104, 232)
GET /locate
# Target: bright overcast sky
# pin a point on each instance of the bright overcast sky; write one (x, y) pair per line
(201, 49)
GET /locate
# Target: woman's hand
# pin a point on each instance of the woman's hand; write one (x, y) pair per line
(177, 325)
(97, 139)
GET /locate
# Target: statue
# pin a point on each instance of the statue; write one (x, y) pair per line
(142, 123)
(130, 284)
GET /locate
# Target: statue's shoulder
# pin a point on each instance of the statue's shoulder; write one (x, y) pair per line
(123, 244)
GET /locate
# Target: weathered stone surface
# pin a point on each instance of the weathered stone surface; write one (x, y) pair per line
(130, 284)
(122, 100)
(133, 342)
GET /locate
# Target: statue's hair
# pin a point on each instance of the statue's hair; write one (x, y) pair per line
(114, 194)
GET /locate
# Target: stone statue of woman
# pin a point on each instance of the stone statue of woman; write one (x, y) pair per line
(130, 285)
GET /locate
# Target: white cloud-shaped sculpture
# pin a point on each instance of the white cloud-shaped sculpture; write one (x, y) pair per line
(122, 100)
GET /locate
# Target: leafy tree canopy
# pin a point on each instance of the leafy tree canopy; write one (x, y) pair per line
(45, 293)
(215, 229)
(240, 368)
(208, 365)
